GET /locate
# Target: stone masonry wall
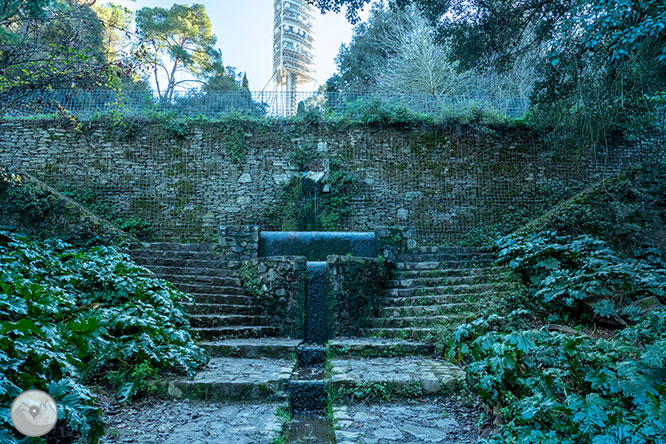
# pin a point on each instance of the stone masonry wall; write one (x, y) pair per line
(355, 290)
(437, 183)
(279, 285)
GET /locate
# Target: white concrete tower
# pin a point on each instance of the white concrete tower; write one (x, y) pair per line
(293, 48)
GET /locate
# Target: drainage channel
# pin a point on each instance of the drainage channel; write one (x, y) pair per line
(308, 397)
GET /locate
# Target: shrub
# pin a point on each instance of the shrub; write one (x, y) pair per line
(71, 317)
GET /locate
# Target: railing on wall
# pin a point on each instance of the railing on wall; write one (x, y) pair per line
(86, 103)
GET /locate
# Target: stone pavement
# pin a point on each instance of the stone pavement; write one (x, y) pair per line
(192, 422)
(442, 422)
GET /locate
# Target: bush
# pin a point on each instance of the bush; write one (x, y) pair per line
(566, 386)
(582, 276)
(71, 317)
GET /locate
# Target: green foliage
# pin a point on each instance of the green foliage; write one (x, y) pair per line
(71, 317)
(546, 387)
(235, 140)
(136, 226)
(582, 276)
(250, 278)
(382, 113)
(296, 210)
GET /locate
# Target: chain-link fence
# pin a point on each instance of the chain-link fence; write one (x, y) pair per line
(87, 103)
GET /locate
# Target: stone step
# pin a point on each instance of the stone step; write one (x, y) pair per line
(426, 310)
(225, 320)
(201, 280)
(224, 299)
(195, 308)
(210, 289)
(449, 249)
(377, 347)
(402, 333)
(194, 271)
(452, 272)
(150, 262)
(175, 246)
(446, 257)
(237, 379)
(423, 301)
(382, 379)
(449, 280)
(278, 348)
(450, 289)
(215, 333)
(184, 255)
(418, 321)
(437, 265)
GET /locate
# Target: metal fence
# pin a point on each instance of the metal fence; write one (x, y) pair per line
(87, 103)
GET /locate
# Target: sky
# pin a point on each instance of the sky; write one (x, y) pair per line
(244, 31)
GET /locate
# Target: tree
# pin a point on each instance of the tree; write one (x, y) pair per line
(601, 64)
(398, 52)
(48, 44)
(179, 47)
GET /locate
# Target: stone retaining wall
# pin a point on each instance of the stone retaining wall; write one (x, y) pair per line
(437, 183)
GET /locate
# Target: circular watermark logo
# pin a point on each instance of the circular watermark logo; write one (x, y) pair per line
(34, 413)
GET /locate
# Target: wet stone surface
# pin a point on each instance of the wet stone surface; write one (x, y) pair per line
(443, 422)
(191, 422)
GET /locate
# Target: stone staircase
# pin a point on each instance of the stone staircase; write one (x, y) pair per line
(439, 286)
(221, 307)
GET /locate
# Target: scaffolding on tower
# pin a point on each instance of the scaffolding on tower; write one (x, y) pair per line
(293, 50)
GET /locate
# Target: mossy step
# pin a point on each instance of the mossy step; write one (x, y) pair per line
(210, 289)
(445, 257)
(181, 255)
(233, 299)
(278, 348)
(419, 321)
(377, 347)
(448, 249)
(203, 280)
(176, 246)
(235, 379)
(196, 308)
(450, 289)
(214, 333)
(452, 272)
(474, 297)
(224, 320)
(401, 333)
(426, 310)
(194, 271)
(449, 280)
(437, 265)
(178, 262)
(384, 379)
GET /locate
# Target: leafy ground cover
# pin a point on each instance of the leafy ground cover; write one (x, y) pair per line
(75, 317)
(546, 382)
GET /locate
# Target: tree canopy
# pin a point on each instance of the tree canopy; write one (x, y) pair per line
(601, 64)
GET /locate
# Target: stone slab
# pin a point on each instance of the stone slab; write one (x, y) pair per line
(386, 378)
(235, 379)
(443, 422)
(192, 422)
(279, 348)
(378, 347)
